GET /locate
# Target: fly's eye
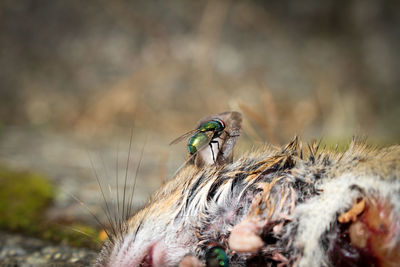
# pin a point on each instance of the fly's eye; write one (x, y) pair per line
(216, 257)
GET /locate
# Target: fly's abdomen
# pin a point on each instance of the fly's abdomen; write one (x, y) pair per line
(197, 141)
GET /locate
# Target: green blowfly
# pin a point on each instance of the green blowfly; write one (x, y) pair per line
(205, 134)
(216, 257)
(220, 130)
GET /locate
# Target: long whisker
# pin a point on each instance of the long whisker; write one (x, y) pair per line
(106, 172)
(136, 175)
(107, 211)
(112, 212)
(81, 232)
(118, 213)
(126, 176)
(89, 210)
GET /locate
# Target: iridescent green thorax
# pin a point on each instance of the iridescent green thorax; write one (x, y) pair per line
(216, 257)
(216, 125)
(197, 141)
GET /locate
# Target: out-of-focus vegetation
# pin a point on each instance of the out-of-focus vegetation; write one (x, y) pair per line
(24, 199)
(317, 68)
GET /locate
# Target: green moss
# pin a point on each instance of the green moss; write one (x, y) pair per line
(73, 234)
(24, 198)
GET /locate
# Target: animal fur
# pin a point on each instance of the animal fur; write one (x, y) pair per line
(292, 196)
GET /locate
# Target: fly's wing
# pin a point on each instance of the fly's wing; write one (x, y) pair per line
(206, 154)
(183, 136)
(233, 124)
(196, 159)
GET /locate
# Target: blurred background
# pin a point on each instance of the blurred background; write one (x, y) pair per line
(80, 79)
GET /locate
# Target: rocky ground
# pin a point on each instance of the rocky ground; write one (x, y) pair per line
(17, 250)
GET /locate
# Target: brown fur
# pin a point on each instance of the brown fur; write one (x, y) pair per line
(277, 188)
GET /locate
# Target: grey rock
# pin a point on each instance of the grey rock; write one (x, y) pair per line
(18, 250)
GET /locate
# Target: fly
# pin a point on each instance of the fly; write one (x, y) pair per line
(221, 130)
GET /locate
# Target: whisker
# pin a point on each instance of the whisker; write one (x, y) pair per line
(110, 192)
(107, 211)
(118, 213)
(135, 179)
(89, 210)
(81, 232)
(106, 171)
(126, 175)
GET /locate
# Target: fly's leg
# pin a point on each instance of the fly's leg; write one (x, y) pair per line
(228, 135)
(212, 151)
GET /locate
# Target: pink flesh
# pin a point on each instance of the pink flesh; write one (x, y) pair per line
(155, 255)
